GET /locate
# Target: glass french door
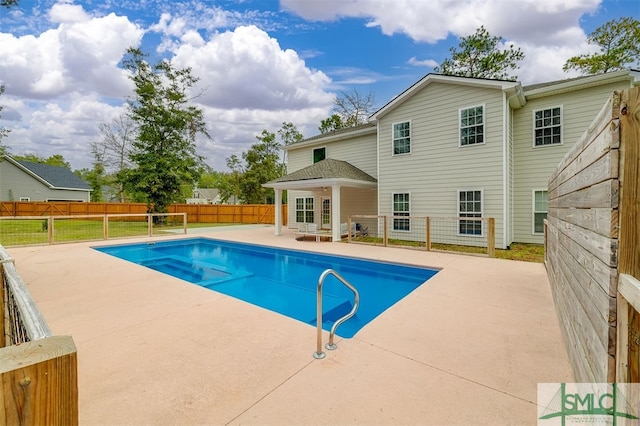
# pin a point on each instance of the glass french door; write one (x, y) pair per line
(326, 213)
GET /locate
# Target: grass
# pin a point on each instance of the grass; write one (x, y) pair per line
(17, 232)
(34, 231)
(524, 252)
(518, 251)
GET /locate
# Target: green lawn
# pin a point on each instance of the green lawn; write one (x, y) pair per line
(34, 231)
(518, 251)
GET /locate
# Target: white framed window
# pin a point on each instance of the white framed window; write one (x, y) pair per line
(540, 208)
(470, 205)
(402, 138)
(401, 207)
(304, 210)
(25, 199)
(472, 125)
(319, 154)
(547, 126)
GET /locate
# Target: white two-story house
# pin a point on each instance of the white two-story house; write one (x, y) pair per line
(448, 146)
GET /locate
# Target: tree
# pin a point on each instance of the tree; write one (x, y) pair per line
(289, 135)
(164, 153)
(3, 131)
(262, 164)
(330, 124)
(229, 183)
(619, 45)
(480, 57)
(114, 150)
(350, 109)
(54, 160)
(95, 177)
(8, 3)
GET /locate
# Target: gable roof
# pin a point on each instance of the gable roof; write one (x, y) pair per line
(323, 174)
(336, 135)
(328, 168)
(570, 84)
(512, 88)
(54, 177)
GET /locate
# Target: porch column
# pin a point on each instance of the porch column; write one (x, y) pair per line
(335, 212)
(278, 211)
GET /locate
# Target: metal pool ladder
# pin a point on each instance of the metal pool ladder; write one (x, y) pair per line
(319, 354)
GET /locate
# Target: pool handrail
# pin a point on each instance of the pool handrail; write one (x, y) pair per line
(319, 354)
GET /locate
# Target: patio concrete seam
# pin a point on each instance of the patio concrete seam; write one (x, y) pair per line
(257, 401)
(451, 373)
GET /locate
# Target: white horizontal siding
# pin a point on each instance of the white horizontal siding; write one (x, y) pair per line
(534, 166)
(437, 167)
(360, 152)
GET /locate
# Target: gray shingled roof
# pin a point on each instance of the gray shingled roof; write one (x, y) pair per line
(328, 168)
(57, 177)
(339, 131)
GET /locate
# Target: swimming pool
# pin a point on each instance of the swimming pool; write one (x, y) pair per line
(284, 281)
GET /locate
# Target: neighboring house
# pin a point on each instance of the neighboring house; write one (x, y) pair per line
(446, 146)
(204, 196)
(27, 181)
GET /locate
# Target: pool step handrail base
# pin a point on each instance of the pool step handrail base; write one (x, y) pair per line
(319, 354)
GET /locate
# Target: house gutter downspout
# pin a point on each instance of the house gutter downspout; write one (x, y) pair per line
(506, 192)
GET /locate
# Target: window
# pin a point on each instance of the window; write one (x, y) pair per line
(547, 126)
(472, 125)
(401, 208)
(539, 211)
(319, 154)
(470, 205)
(402, 138)
(25, 199)
(304, 210)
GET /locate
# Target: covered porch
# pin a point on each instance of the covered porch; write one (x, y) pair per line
(327, 180)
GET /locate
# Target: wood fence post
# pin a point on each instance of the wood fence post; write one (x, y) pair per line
(491, 238)
(385, 235)
(629, 236)
(50, 229)
(3, 315)
(427, 240)
(39, 382)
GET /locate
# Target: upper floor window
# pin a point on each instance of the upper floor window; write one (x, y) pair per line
(319, 154)
(539, 211)
(470, 205)
(401, 208)
(547, 126)
(402, 138)
(472, 125)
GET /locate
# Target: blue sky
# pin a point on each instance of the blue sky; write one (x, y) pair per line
(260, 62)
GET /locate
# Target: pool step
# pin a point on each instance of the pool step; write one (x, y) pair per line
(333, 314)
(197, 272)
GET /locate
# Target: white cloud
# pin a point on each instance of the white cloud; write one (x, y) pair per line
(63, 82)
(247, 69)
(78, 56)
(249, 83)
(429, 63)
(548, 31)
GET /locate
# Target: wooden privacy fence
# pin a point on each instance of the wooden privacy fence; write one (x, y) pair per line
(196, 213)
(592, 244)
(229, 213)
(39, 372)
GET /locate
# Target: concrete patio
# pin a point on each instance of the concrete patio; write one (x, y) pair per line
(468, 347)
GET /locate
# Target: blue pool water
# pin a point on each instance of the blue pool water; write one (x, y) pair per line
(283, 281)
